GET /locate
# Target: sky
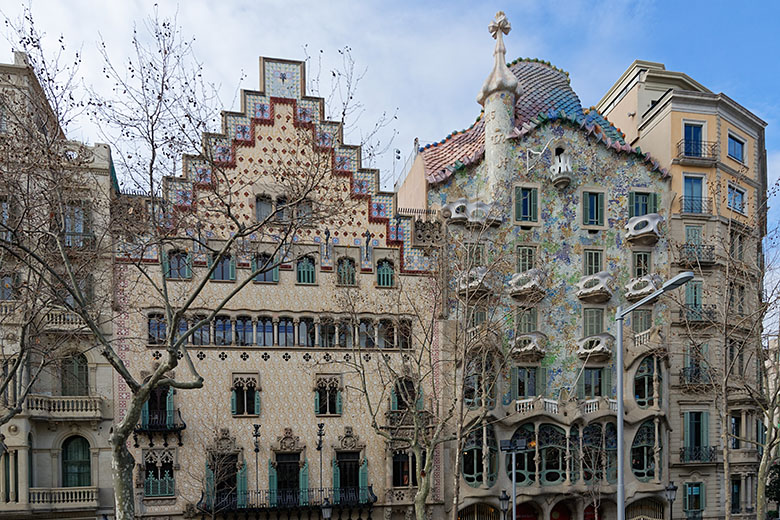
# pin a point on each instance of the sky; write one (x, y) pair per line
(425, 62)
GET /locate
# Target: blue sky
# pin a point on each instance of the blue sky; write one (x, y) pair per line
(427, 60)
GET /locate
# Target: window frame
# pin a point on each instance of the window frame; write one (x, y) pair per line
(244, 380)
(587, 257)
(266, 199)
(346, 271)
(526, 258)
(385, 273)
(306, 271)
(601, 209)
(742, 145)
(521, 193)
(635, 264)
(585, 320)
(736, 189)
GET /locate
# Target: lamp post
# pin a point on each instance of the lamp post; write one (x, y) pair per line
(256, 435)
(504, 501)
(620, 314)
(671, 494)
(320, 435)
(326, 509)
(513, 448)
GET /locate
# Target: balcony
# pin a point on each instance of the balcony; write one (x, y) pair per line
(695, 376)
(697, 152)
(596, 347)
(160, 422)
(702, 314)
(645, 229)
(529, 346)
(64, 408)
(596, 288)
(560, 170)
(696, 254)
(473, 214)
(692, 515)
(695, 205)
(63, 320)
(532, 405)
(63, 499)
(638, 288)
(699, 454)
(289, 499)
(600, 404)
(527, 286)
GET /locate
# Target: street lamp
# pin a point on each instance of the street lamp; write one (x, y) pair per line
(620, 314)
(320, 435)
(327, 509)
(671, 494)
(504, 501)
(256, 435)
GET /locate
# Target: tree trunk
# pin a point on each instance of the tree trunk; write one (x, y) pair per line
(122, 464)
(456, 470)
(424, 488)
(763, 469)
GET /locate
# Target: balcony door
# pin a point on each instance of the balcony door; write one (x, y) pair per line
(158, 411)
(288, 474)
(693, 201)
(349, 476)
(693, 141)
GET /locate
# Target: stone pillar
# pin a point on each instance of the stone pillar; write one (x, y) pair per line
(12, 461)
(254, 332)
(568, 456)
(743, 430)
(56, 474)
(22, 454)
(317, 331)
(233, 332)
(657, 451)
(276, 330)
(656, 383)
(537, 457)
(581, 478)
(94, 466)
(3, 461)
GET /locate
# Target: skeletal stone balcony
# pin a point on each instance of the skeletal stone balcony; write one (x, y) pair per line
(560, 170)
(528, 285)
(596, 288)
(638, 288)
(645, 230)
(473, 282)
(596, 347)
(476, 213)
(529, 346)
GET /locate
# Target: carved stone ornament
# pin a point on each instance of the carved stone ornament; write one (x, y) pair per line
(349, 441)
(288, 442)
(327, 383)
(223, 443)
(646, 229)
(500, 78)
(476, 213)
(428, 233)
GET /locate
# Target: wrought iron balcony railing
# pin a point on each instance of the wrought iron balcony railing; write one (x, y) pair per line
(351, 497)
(698, 454)
(159, 487)
(694, 149)
(698, 313)
(696, 205)
(161, 421)
(693, 515)
(694, 254)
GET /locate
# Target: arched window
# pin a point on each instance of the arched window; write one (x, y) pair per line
(643, 382)
(7, 287)
(405, 334)
(384, 273)
(265, 332)
(479, 381)
(642, 458)
(593, 452)
(304, 270)
(286, 332)
(178, 265)
(610, 442)
(157, 329)
(386, 334)
(269, 273)
(264, 206)
(75, 375)
(245, 398)
(366, 334)
(474, 472)
(345, 271)
(75, 462)
(244, 331)
(327, 333)
(306, 334)
(552, 450)
(525, 465)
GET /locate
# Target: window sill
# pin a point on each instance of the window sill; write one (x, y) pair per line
(262, 282)
(161, 498)
(222, 281)
(377, 286)
(346, 285)
(740, 161)
(327, 415)
(170, 279)
(302, 284)
(592, 228)
(528, 223)
(245, 416)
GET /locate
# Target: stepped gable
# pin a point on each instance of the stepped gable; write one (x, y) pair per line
(546, 96)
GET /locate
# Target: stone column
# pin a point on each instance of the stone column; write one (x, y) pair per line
(12, 461)
(254, 332)
(276, 330)
(657, 451)
(3, 461)
(568, 455)
(23, 458)
(537, 457)
(656, 383)
(233, 332)
(56, 474)
(317, 331)
(743, 430)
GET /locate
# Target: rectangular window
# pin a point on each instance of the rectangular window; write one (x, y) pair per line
(593, 322)
(593, 379)
(202, 335)
(737, 245)
(592, 208)
(641, 320)
(736, 148)
(526, 382)
(245, 395)
(640, 204)
(526, 258)
(404, 473)
(477, 317)
(641, 263)
(736, 492)
(735, 430)
(526, 205)
(736, 199)
(475, 255)
(593, 261)
(693, 496)
(526, 321)
(693, 140)
(693, 235)
(693, 195)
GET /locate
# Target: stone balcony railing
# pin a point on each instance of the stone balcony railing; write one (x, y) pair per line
(600, 404)
(63, 320)
(530, 405)
(65, 408)
(63, 499)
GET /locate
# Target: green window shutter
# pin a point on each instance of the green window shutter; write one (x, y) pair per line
(275, 271)
(607, 382)
(518, 203)
(303, 483)
(188, 266)
(209, 486)
(631, 202)
(585, 207)
(690, 294)
(338, 402)
(316, 402)
(420, 402)
(169, 408)
(581, 385)
(210, 264)
(363, 481)
(253, 264)
(165, 267)
(705, 429)
(601, 209)
(686, 492)
(514, 373)
(241, 486)
(541, 381)
(232, 268)
(534, 205)
(653, 203)
(393, 400)
(686, 429)
(271, 483)
(233, 399)
(145, 414)
(703, 493)
(257, 401)
(687, 356)
(336, 482)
